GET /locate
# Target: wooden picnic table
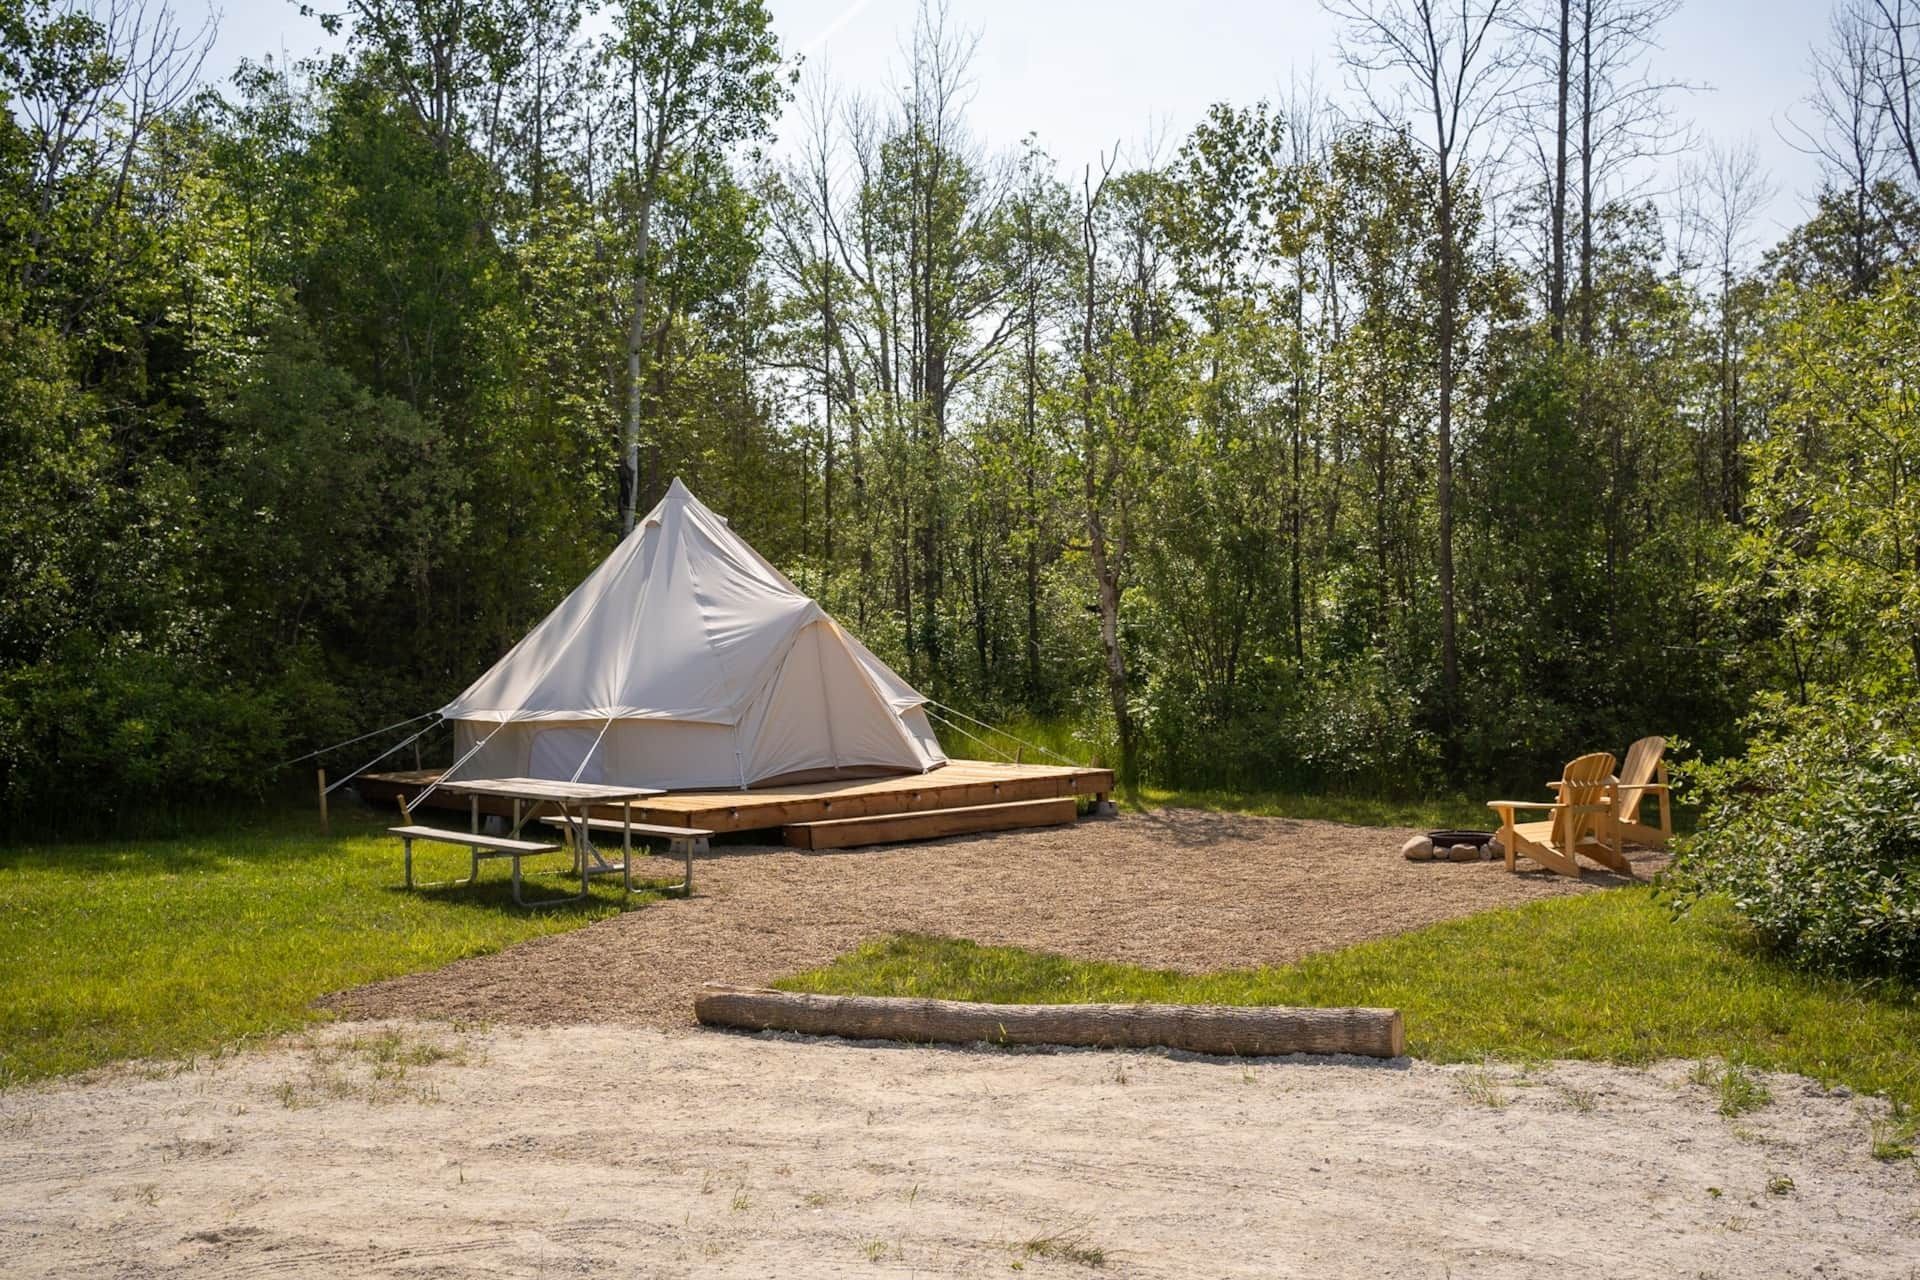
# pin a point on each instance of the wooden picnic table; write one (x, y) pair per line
(573, 803)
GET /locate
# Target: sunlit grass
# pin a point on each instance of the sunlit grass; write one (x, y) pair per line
(1608, 976)
(170, 947)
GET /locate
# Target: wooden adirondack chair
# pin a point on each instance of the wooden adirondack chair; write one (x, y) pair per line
(1586, 798)
(1645, 761)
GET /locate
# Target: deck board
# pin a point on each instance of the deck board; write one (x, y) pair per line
(958, 784)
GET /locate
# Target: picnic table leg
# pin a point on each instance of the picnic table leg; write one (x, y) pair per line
(584, 848)
(473, 813)
(577, 836)
(626, 849)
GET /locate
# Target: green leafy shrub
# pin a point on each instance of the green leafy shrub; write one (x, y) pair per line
(123, 731)
(1814, 837)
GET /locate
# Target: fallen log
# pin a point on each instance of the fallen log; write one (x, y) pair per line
(1235, 1030)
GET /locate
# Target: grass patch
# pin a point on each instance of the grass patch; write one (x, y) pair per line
(1053, 1249)
(1063, 1246)
(1427, 814)
(1478, 1086)
(172, 947)
(377, 1068)
(1895, 1134)
(1609, 977)
(1739, 1090)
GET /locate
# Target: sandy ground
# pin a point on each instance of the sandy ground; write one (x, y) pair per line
(425, 1150)
(1176, 888)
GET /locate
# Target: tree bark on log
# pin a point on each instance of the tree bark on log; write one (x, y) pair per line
(1246, 1031)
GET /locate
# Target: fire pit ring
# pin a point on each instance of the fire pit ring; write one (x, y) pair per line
(1448, 846)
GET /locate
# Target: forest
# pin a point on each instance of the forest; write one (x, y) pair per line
(1408, 432)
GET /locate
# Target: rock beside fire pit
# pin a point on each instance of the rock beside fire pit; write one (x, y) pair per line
(1452, 846)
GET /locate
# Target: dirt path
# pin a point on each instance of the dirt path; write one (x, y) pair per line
(416, 1150)
(1177, 888)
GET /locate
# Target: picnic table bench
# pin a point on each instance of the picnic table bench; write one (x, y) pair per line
(482, 846)
(685, 841)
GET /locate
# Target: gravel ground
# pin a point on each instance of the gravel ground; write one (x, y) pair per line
(1178, 888)
(418, 1150)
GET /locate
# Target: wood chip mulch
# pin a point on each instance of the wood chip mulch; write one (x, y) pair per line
(1178, 889)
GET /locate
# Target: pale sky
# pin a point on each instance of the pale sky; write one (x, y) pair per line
(1083, 74)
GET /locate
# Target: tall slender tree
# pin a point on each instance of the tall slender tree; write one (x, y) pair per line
(1448, 66)
(698, 76)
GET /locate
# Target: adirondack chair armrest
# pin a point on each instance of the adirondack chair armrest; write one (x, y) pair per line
(1556, 806)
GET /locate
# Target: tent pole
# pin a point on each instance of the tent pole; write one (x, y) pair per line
(324, 828)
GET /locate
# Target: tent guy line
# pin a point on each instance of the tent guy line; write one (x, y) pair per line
(371, 733)
(346, 778)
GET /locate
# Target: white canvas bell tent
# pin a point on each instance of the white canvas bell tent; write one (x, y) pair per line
(686, 661)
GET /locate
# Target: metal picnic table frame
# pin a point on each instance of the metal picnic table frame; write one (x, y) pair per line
(574, 803)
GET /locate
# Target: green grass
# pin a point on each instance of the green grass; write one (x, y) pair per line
(168, 948)
(1428, 814)
(1603, 976)
(1896, 1133)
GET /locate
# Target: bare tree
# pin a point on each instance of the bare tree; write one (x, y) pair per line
(1624, 114)
(1593, 117)
(1728, 190)
(1894, 27)
(90, 89)
(805, 252)
(1102, 461)
(1849, 133)
(1450, 67)
(929, 315)
(1309, 126)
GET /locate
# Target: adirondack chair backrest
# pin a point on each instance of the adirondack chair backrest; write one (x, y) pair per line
(1584, 782)
(1643, 757)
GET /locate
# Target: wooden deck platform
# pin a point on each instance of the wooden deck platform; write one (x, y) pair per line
(956, 785)
(931, 824)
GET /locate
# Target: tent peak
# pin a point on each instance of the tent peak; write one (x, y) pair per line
(678, 492)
